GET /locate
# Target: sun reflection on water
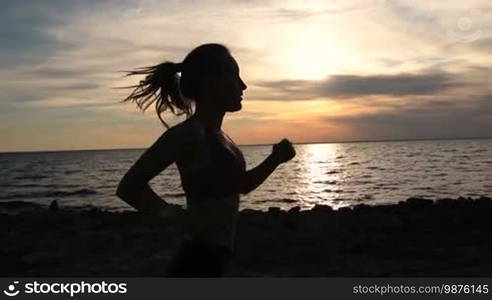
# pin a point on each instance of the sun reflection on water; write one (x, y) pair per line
(321, 175)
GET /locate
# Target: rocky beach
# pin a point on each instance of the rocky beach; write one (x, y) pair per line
(414, 238)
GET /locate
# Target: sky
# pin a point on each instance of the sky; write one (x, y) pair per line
(317, 71)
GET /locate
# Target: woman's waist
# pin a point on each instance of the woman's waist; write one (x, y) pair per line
(211, 191)
(212, 185)
(211, 200)
(213, 221)
(213, 215)
(216, 205)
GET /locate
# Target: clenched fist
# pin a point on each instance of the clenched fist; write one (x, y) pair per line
(283, 151)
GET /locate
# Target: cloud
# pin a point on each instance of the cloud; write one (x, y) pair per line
(329, 8)
(386, 57)
(351, 86)
(394, 85)
(25, 29)
(75, 49)
(484, 44)
(449, 27)
(423, 119)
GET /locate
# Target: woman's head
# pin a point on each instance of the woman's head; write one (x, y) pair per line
(208, 77)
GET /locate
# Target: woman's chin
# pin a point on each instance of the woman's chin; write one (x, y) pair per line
(238, 107)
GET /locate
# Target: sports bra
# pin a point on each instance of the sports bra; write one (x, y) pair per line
(222, 175)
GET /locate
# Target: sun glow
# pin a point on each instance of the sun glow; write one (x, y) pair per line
(315, 57)
(307, 51)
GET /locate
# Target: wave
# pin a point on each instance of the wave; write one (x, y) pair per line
(427, 188)
(375, 168)
(33, 185)
(30, 177)
(330, 182)
(283, 200)
(111, 186)
(173, 194)
(68, 172)
(111, 170)
(362, 182)
(479, 150)
(79, 192)
(332, 172)
(333, 191)
(440, 175)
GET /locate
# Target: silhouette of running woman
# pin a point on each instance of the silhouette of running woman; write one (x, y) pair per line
(211, 166)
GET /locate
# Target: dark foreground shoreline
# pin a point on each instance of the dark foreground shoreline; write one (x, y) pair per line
(415, 238)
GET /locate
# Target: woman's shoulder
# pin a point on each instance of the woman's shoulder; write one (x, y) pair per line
(190, 138)
(188, 131)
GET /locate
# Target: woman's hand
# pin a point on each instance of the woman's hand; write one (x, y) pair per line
(283, 151)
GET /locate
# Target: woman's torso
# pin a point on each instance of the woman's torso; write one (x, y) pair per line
(211, 179)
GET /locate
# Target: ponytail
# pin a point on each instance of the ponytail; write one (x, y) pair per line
(162, 87)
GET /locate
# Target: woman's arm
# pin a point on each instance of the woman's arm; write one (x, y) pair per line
(144, 200)
(134, 187)
(282, 152)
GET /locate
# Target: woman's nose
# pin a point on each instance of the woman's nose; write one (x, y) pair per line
(243, 85)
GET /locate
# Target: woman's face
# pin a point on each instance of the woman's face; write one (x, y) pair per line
(226, 91)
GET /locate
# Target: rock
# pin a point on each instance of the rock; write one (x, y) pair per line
(294, 210)
(54, 206)
(362, 207)
(248, 212)
(445, 202)
(419, 202)
(13, 205)
(286, 200)
(483, 201)
(409, 239)
(95, 210)
(322, 208)
(345, 209)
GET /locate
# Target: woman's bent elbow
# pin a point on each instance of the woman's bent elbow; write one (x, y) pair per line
(123, 191)
(121, 194)
(120, 189)
(126, 196)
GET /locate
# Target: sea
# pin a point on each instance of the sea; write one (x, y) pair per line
(334, 174)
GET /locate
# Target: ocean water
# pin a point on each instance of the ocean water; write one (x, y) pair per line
(335, 174)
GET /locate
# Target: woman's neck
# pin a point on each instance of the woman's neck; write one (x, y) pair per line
(210, 118)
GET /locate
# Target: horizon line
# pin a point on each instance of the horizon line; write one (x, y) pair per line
(265, 144)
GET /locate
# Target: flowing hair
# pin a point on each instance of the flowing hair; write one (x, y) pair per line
(175, 86)
(160, 86)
